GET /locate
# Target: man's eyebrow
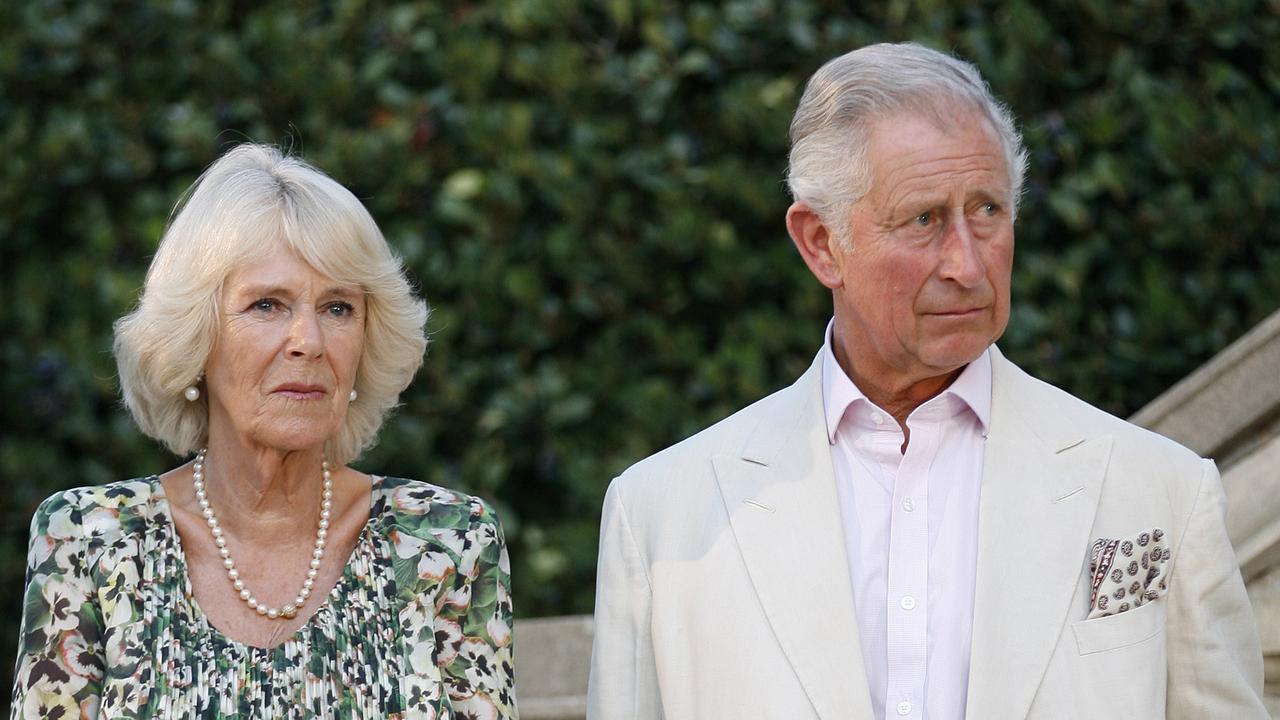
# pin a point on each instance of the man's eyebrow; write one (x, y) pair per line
(908, 202)
(992, 194)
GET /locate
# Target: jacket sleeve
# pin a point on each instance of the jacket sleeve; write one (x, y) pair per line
(60, 652)
(624, 678)
(1215, 658)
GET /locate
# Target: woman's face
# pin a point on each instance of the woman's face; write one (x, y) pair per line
(284, 362)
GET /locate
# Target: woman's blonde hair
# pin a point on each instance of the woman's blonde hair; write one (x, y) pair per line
(248, 200)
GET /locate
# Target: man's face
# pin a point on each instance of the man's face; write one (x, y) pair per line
(925, 282)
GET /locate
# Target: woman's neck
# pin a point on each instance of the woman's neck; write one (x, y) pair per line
(263, 493)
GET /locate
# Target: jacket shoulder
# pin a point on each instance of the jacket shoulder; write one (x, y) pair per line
(686, 466)
(688, 463)
(1065, 418)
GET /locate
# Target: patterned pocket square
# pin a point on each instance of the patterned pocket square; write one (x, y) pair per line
(1127, 572)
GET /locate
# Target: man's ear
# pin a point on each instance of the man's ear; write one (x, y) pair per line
(816, 244)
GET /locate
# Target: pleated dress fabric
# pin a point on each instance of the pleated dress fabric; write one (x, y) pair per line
(418, 626)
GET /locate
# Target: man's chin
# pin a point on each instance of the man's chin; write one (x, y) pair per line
(955, 353)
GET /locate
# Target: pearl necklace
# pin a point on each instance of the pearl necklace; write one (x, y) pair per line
(290, 609)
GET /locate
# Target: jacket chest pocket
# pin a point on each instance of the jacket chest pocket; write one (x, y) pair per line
(1121, 630)
(1119, 667)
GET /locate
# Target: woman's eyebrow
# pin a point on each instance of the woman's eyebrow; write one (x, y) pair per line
(344, 291)
(262, 290)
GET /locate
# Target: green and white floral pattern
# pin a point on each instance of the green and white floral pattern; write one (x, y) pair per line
(419, 625)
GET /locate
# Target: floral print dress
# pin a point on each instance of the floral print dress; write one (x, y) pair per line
(418, 626)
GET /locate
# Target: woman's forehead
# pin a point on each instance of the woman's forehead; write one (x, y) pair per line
(280, 267)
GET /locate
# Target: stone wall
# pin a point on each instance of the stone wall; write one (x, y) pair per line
(553, 657)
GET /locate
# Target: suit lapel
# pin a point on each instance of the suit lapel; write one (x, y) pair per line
(1040, 489)
(781, 500)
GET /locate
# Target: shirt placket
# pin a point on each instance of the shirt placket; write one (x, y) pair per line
(907, 607)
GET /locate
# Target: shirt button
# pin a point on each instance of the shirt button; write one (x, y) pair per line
(908, 603)
(904, 708)
(877, 418)
(908, 505)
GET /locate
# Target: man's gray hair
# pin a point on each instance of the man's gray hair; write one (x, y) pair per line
(828, 163)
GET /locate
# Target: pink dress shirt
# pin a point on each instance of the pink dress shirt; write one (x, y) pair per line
(911, 531)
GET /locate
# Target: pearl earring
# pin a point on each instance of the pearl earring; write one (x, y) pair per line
(352, 397)
(192, 393)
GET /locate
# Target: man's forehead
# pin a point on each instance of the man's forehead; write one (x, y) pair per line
(943, 117)
(911, 152)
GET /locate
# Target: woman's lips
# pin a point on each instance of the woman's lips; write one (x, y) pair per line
(295, 391)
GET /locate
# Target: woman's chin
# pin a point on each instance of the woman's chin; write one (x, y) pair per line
(292, 438)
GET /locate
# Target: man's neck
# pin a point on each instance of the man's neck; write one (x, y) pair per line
(896, 396)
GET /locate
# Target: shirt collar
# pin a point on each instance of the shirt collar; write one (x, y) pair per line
(973, 388)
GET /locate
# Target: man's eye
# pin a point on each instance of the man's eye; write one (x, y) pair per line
(990, 209)
(923, 219)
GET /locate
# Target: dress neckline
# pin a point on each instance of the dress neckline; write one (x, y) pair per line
(345, 580)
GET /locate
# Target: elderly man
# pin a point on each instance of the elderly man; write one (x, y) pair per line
(917, 528)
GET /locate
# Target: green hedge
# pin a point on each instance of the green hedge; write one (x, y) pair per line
(590, 195)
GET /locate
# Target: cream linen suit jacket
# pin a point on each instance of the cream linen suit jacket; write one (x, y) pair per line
(723, 588)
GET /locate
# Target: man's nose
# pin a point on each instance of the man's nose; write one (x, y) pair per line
(959, 259)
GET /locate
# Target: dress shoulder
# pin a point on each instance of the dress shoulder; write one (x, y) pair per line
(422, 509)
(98, 511)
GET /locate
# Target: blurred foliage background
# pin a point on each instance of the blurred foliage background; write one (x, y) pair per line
(590, 196)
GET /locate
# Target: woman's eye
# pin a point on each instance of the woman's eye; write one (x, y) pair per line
(923, 219)
(339, 309)
(264, 305)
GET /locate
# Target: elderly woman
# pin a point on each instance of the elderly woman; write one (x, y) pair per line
(265, 577)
